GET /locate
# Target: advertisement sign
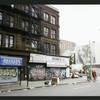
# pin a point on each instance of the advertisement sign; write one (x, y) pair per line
(51, 61)
(8, 74)
(10, 61)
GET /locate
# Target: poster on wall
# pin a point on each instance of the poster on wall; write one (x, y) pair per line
(8, 74)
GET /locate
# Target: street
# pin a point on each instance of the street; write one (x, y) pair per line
(82, 89)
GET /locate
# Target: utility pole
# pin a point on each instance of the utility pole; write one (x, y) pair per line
(90, 60)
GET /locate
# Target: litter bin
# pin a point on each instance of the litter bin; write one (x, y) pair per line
(54, 80)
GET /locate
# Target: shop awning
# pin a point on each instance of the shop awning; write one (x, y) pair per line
(56, 64)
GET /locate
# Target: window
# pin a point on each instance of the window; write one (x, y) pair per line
(46, 16)
(46, 47)
(10, 21)
(9, 41)
(27, 9)
(46, 31)
(25, 25)
(34, 12)
(0, 16)
(0, 39)
(53, 49)
(35, 29)
(34, 44)
(53, 34)
(53, 20)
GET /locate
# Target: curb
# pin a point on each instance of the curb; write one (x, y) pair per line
(28, 88)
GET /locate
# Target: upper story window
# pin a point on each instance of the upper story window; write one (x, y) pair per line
(53, 49)
(34, 12)
(34, 44)
(10, 20)
(53, 20)
(34, 28)
(9, 41)
(46, 47)
(0, 39)
(0, 17)
(25, 25)
(46, 31)
(46, 16)
(53, 34)
(27, 9)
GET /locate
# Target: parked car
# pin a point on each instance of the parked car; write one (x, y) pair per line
(75, 75)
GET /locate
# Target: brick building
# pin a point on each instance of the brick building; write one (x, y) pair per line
(26, 29)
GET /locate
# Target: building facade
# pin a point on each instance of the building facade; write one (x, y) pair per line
(26, 29)
(66, 47)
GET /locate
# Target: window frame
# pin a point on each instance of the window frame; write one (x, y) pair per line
(53, 20)
(25, 25)
(53, 34)
(46, 16)
(8, 39)
(46, 31)
(53, 49)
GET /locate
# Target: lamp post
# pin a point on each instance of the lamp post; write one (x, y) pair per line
(90, 61)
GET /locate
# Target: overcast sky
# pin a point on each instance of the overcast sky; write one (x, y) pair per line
(79, 23)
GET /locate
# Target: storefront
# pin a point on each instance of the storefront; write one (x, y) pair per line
(9, 69)
(44, 66)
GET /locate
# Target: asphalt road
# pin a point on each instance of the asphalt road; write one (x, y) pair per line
(82, 89)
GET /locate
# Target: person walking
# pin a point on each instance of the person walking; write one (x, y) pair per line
(94, 75)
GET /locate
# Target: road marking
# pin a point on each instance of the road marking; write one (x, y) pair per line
(82, 87)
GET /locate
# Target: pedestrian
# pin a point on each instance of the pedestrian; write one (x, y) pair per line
(88, 75)
(61, 76)
(94, 75)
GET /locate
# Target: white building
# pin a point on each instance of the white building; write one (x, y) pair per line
(66, 47)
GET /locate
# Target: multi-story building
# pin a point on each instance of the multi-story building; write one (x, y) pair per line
(66, 47)
(24, 30)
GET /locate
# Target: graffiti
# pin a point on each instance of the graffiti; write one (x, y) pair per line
(37, 72)
(8, 72)
(54, 72)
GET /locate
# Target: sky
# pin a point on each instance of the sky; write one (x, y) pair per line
(79, 23)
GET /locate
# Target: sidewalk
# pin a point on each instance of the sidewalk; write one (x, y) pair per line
(40, 84)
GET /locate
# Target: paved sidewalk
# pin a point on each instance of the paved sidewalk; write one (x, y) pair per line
(39, 84)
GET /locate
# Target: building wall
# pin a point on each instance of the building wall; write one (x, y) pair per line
(66, 47)
(19, 49)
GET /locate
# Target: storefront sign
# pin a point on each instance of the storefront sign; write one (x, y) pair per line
(52, 61)
(12, 61)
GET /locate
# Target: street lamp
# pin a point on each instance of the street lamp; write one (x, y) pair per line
(90, 60)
